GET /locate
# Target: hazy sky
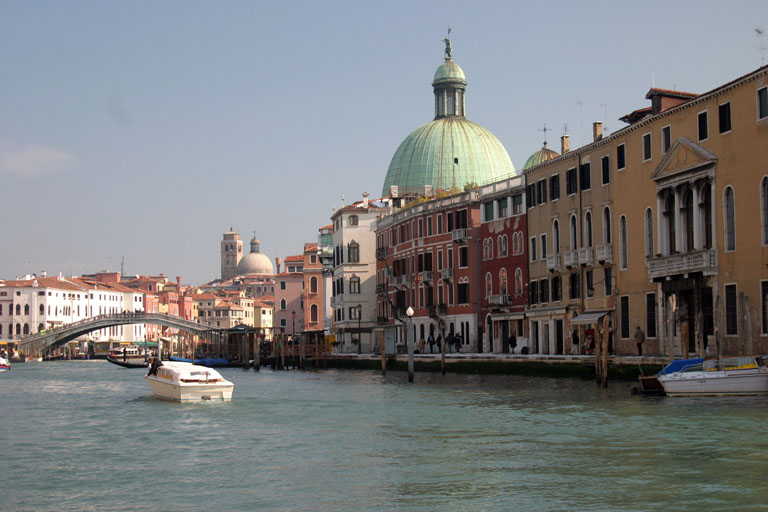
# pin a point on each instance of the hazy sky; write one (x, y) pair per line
(144, 130)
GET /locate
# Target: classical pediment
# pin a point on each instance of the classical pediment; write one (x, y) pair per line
(683, 157)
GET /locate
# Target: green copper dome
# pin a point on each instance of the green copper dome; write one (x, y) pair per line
(449, 152)
(446, 153)
(540, 156)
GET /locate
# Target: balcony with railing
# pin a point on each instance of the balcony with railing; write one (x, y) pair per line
(570, 258)
(381, 289)
(704, 260)
(446, 274)
(403, 280)
(426, 276)
(498, 300)
(335, 301)
(604, 253)
(553, 262)
(586, 256)
(382, 320)
(381, 253)
(460, 235)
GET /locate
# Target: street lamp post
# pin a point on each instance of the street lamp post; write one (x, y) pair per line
(409, 314)
(293, 324)
(359, 330)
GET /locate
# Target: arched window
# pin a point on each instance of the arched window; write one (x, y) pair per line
(42, 309)
(574, 240)
(283, 304)
(313, 284)
(26, 328)
(669, 217)
(485, 248)
(313, 313)
(501, 244)
(490, 248)
(649, 233)
(764, 208)
(353, 252)
(729, 205)
(18, 309)
(488, 285)
(354, 284)
(556, 237)
(40, 327)
(606, 225)
(588, 222)
(688, 220)
(503, 282)
(1, 309)
(624, 254)
(706, 212)
(18, 329)
(518, 282)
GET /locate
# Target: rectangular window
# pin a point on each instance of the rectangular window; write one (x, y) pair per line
(429, 226)
(462, 292)
(439, 223)
(606, 163)
(533, 248)
(282, 285)
(621, 157)
(585, 176)
(517, 204)
(554, 187)
(724, 112)
(463, 257)
(624, 321)
(530, 195)
(488, 211)
(570, 181)
(421, 228)
(556, 289)
(533, 292)
(608, 281)
(541, 191)
(543, 246)
(575, 279)
(650, 315)
(502, 204)
(646, 147)
(666, 139)
(590, 284)
(762, 103)
(544, 290)
(731, 310)
(703, 126)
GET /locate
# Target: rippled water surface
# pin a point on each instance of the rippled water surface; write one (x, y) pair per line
(87, 435)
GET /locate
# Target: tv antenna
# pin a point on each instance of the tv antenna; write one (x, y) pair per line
(605, 117)
(545, 130)
(760, 34)
(581, 122)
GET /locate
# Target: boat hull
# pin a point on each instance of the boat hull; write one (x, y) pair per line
(190, 392)
(719, 383)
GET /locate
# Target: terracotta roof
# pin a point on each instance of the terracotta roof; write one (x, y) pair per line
(294, 258)
(654, 91)
(310, 247)
(45, 282)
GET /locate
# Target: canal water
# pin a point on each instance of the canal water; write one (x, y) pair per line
(88, 435)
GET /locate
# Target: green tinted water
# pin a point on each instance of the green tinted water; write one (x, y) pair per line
(89, 436)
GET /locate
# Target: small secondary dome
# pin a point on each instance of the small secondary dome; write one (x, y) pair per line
(540, 156)
(255, 262)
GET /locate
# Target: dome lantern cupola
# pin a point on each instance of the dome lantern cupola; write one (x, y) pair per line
(449, 85)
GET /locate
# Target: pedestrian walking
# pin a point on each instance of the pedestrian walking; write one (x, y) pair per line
(639, 340)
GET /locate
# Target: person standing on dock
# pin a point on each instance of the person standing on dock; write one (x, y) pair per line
(639, 339)
(431, 342)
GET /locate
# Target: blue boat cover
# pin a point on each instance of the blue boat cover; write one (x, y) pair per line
(210, 362)
(676, 366)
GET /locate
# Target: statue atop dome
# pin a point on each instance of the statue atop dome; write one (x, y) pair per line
(447, 42)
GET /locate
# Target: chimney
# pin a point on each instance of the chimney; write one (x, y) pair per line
(278, 260)
(597, 131)
(565, 144)
(342, 201)
(43, 273)
(178, 284)
(365, 199)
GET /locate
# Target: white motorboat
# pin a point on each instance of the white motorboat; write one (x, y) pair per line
(187, 382)
(743, 375)
(5, 363)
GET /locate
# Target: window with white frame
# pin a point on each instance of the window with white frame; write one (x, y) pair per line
(646, 147)
(666, 139)
(533, 248)
(764, 209)
(762, 103)
(623, 252)
(649, 233)
(729, 214)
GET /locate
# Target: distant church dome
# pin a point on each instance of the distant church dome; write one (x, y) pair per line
(255, 262)
(540, 156)
(450, 151)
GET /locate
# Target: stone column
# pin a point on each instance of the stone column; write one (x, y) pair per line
(697, 241)
(662, 237)
(678, 213)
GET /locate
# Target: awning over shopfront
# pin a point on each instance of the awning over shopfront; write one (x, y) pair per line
(589, 318)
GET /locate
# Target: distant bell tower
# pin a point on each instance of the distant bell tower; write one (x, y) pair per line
(231, 254)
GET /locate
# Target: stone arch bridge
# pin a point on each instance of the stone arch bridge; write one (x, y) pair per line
(53, 338)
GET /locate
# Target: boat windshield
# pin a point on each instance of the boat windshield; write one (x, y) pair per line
(730, 363)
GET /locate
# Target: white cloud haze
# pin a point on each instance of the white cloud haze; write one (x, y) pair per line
(33, 160)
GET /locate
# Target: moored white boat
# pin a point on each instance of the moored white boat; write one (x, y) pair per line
(187, 382)
(5, 364)
(743, 375)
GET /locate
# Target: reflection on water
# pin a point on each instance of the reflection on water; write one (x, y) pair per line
(82, 435)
